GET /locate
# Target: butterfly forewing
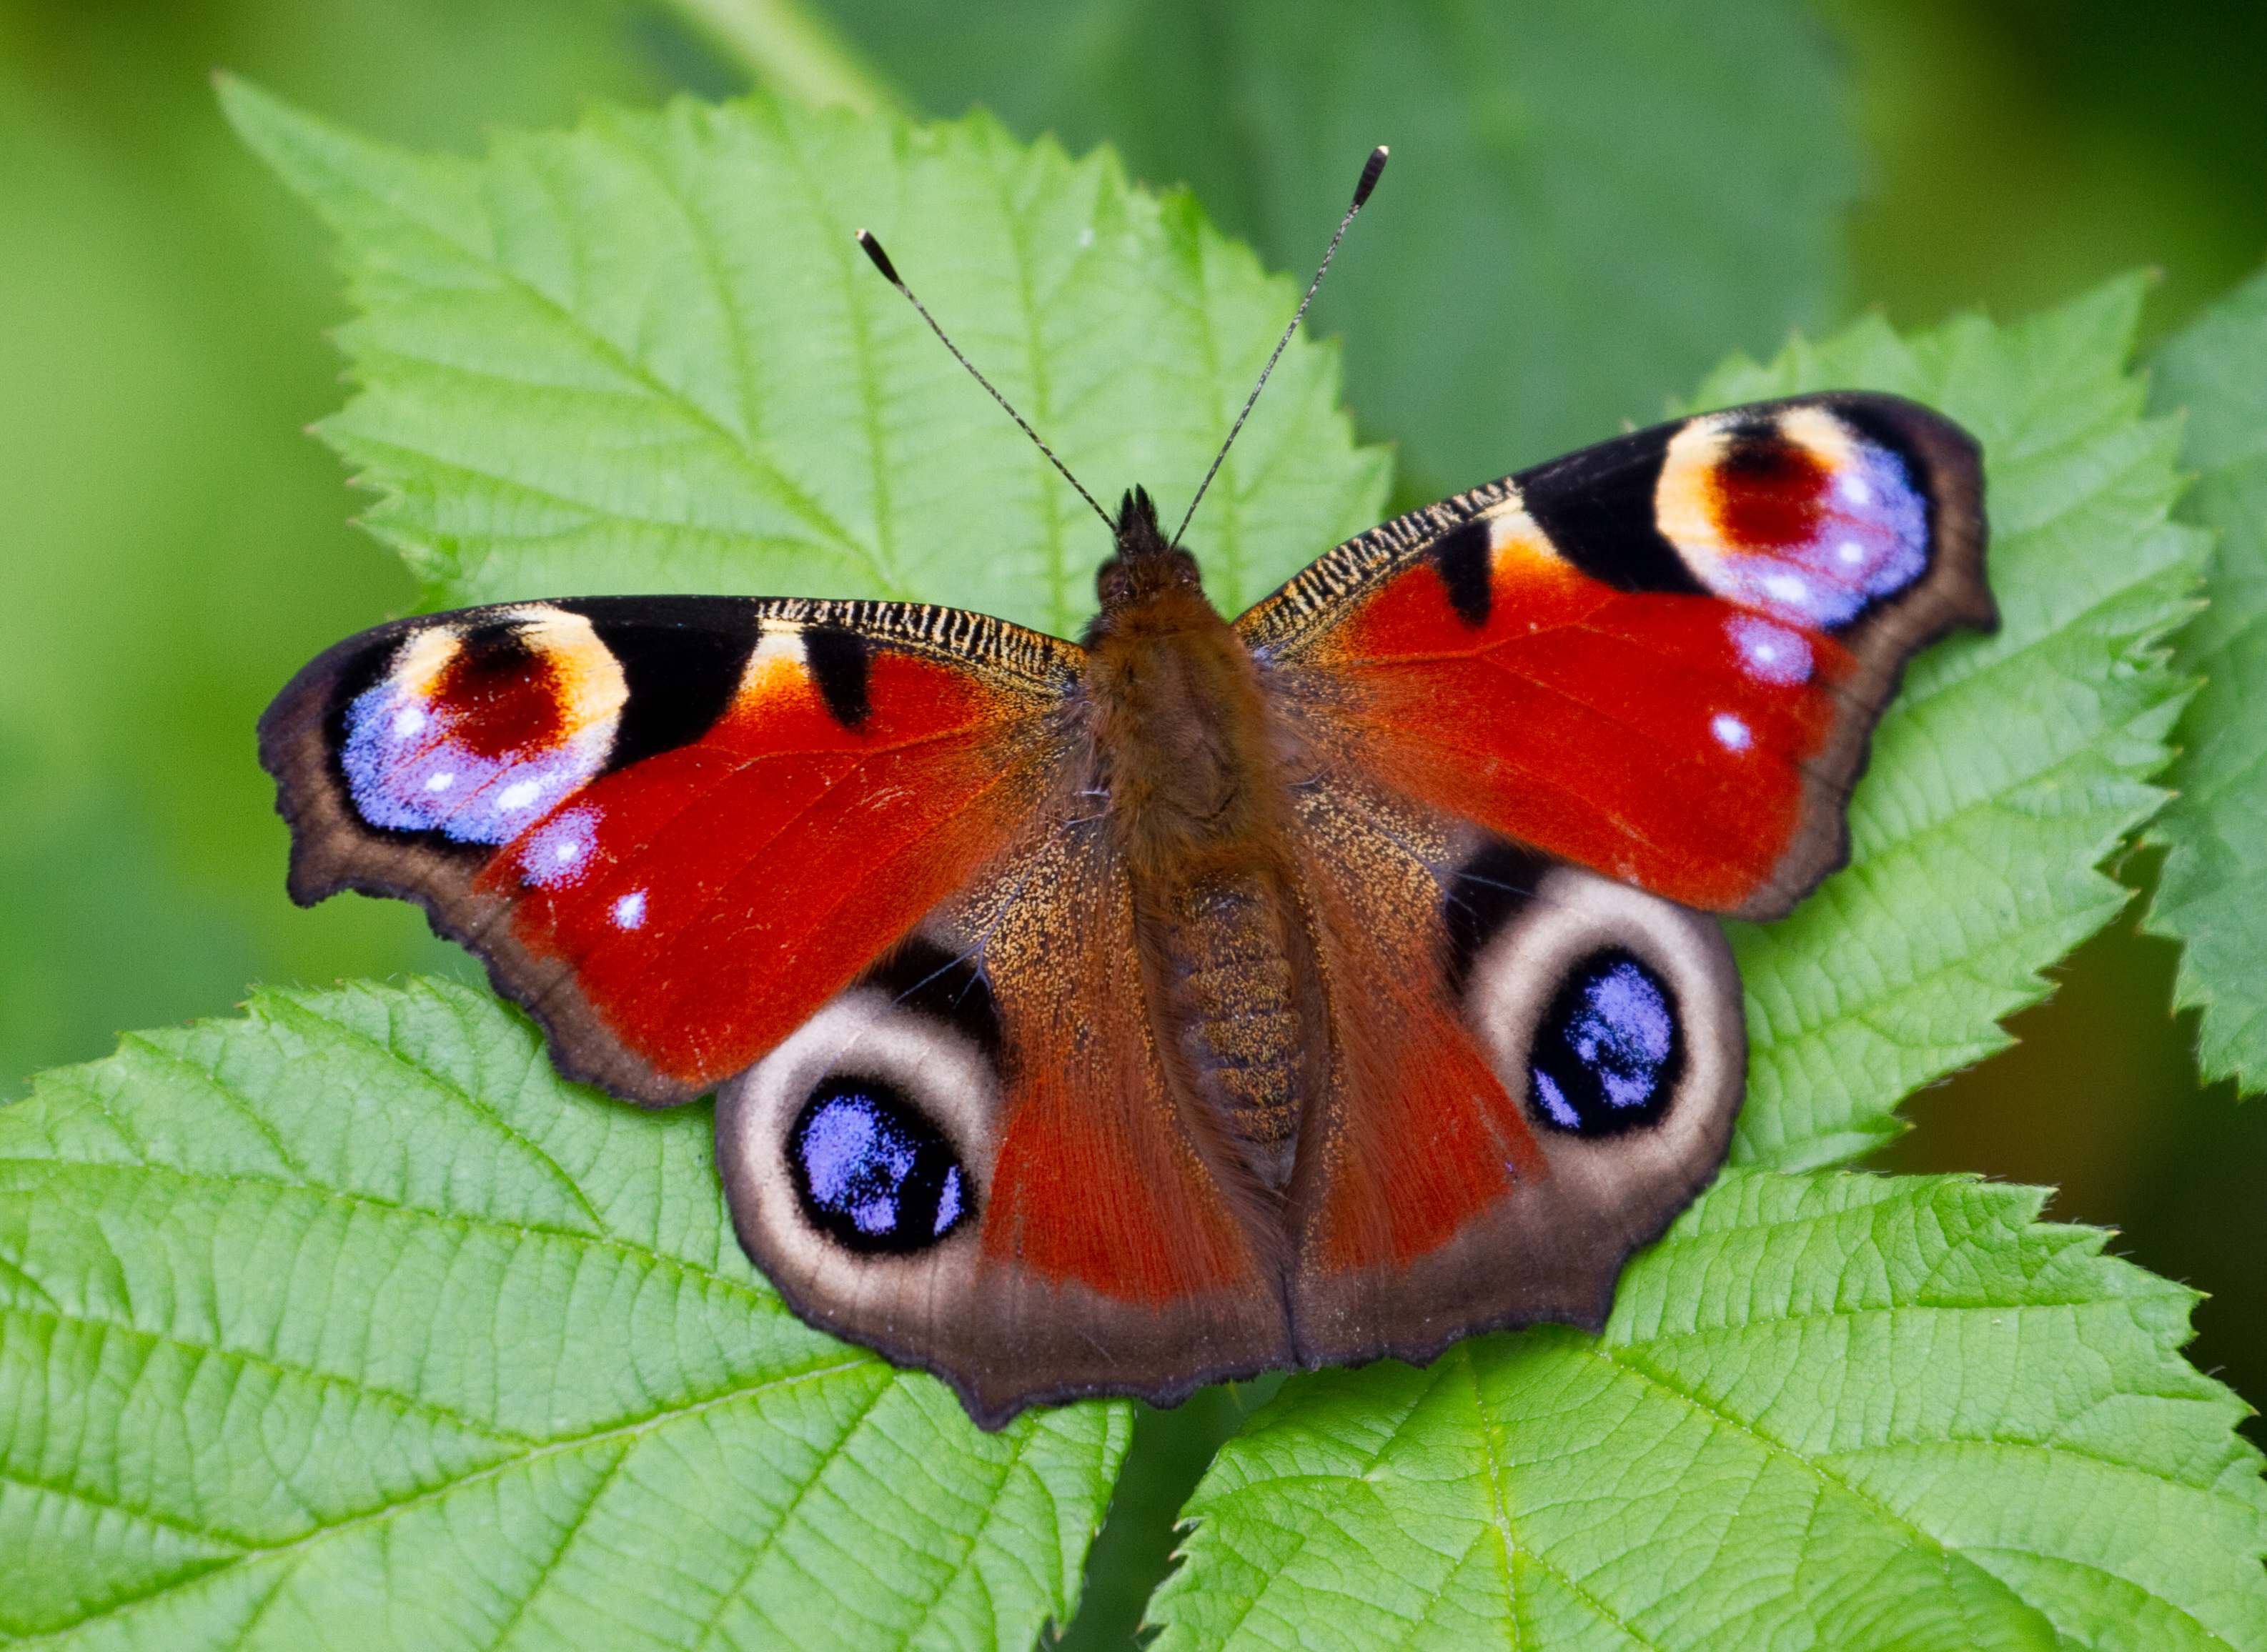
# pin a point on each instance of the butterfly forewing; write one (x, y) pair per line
(1660, 657)
(673, 827)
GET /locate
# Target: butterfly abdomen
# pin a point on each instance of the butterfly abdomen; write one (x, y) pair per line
(1234, 963)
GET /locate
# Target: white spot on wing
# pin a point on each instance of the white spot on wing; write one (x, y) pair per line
(1769, 653)
(408, 721)
(629, 911)
(1730, 732)
(440, 782)
(558, 852)
(519, 795)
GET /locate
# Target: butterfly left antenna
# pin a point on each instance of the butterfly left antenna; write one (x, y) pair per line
(1370, 168)
(890, 273)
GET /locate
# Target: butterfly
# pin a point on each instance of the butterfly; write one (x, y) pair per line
(1209, 996)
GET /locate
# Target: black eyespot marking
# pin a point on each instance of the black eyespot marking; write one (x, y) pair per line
(361, 675)
(496, 648)
(839, 662)
(1462, 559)
(681, 659)
(872, 1174)
(1598, 507)
(1481, 896)
(945, 986)
(1609, 1050)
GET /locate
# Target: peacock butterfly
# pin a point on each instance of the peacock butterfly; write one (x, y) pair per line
(1205, 997)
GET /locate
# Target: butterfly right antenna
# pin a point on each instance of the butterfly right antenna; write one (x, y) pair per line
(1370, 168)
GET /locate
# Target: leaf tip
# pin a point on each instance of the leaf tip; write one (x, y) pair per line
(258, 114)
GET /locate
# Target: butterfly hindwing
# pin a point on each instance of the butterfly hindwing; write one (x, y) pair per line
(972, 1161)
(1552, 1080)
(673, 827)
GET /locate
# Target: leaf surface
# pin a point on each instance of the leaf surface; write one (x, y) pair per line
(1835, 1411)
(351, 1324)
(2212, 895)
(646, 355)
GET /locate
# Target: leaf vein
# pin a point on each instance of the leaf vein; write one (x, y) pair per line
(763, 1546)
(293, 1550)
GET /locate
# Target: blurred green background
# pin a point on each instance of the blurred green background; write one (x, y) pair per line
(1590, 204)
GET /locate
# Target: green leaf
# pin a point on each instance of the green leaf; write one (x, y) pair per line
(1587, 206)
(2213, 892)
(1834, 1411)
(2009, 766)
(647, 355)
(351, 1323)
(1829, 1410)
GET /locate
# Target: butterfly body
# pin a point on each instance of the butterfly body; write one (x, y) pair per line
(1210, 996)
(1192, 769)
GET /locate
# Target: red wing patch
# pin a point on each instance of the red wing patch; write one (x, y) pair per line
(1419, 1134)
(1658, 738)
(711, 896)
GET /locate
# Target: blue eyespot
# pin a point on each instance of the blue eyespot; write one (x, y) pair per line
(872, 1172)
(1609, 1050)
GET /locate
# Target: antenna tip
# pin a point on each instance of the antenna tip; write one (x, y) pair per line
(881, 258)
(1370, 168)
